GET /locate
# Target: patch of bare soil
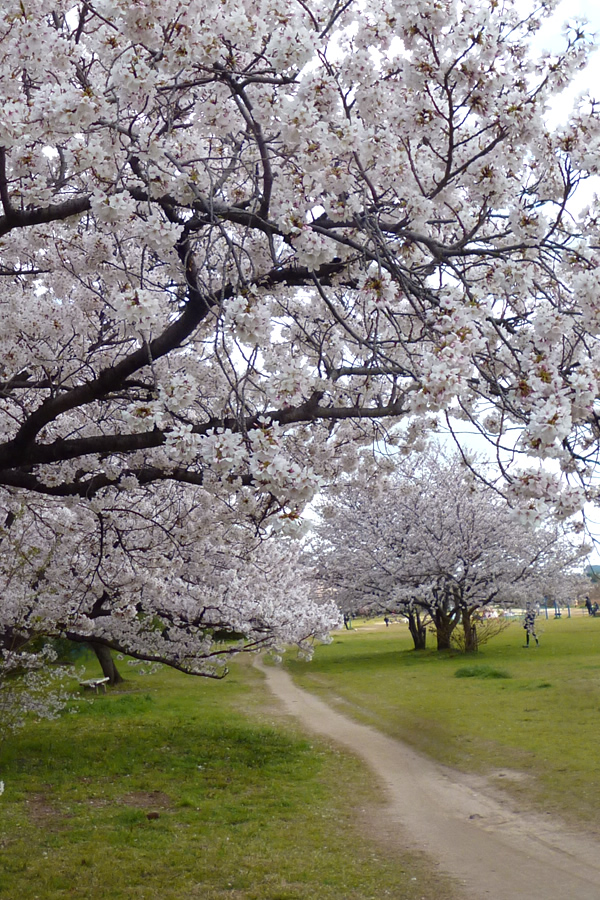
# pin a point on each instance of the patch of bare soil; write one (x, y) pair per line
(467, 827)
(147, 800)
(41, 811)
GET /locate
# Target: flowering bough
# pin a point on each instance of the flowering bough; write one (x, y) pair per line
(237, 242)
(31, 687)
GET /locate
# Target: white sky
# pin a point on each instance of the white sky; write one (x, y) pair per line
(550, 38)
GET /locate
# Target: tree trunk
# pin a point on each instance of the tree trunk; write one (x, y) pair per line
(444, 626)
(470, 630)
(418, 630)
(109, 669)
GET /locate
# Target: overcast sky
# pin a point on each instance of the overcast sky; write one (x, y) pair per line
(550, 38)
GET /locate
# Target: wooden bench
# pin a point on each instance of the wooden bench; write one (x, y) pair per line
(94, 683)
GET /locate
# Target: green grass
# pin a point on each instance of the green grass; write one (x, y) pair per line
(241, 805)
(481, 672)
(535, 711)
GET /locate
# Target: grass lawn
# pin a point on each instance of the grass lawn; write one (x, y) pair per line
(532, 716)
(172, 787)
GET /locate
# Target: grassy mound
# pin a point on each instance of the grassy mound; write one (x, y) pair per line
(481, 672)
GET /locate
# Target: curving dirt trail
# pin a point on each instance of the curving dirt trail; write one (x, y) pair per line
(470, 830)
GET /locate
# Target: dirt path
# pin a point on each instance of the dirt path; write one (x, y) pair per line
(469, 829)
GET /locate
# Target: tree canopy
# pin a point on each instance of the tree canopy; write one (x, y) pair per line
(239, 241)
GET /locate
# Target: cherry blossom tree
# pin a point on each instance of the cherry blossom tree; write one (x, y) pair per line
(436, 544)
(149, 581)
(239, 242)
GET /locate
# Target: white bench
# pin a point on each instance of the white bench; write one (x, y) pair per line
(94, 683)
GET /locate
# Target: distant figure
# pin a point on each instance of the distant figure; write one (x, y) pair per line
(347, 621)
(529, 624)
(589, 607)
(387, 622)
(594, 609)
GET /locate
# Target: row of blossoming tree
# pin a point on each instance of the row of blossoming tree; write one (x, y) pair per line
(239, 242)
(438, 547)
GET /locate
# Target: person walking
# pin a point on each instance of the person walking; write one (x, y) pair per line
(529, 624)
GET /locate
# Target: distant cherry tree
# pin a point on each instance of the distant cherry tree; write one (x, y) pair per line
(434, 544)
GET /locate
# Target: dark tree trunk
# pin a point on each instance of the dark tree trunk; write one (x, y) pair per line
(418, 630)
(470, 629)
(444, 626)
(105, 658)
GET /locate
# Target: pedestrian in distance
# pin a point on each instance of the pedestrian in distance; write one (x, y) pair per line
(529, 624)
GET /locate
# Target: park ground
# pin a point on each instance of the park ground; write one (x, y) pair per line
(173, 786)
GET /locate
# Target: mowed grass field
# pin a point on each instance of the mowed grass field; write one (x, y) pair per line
(528, 717)
(174, 787)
